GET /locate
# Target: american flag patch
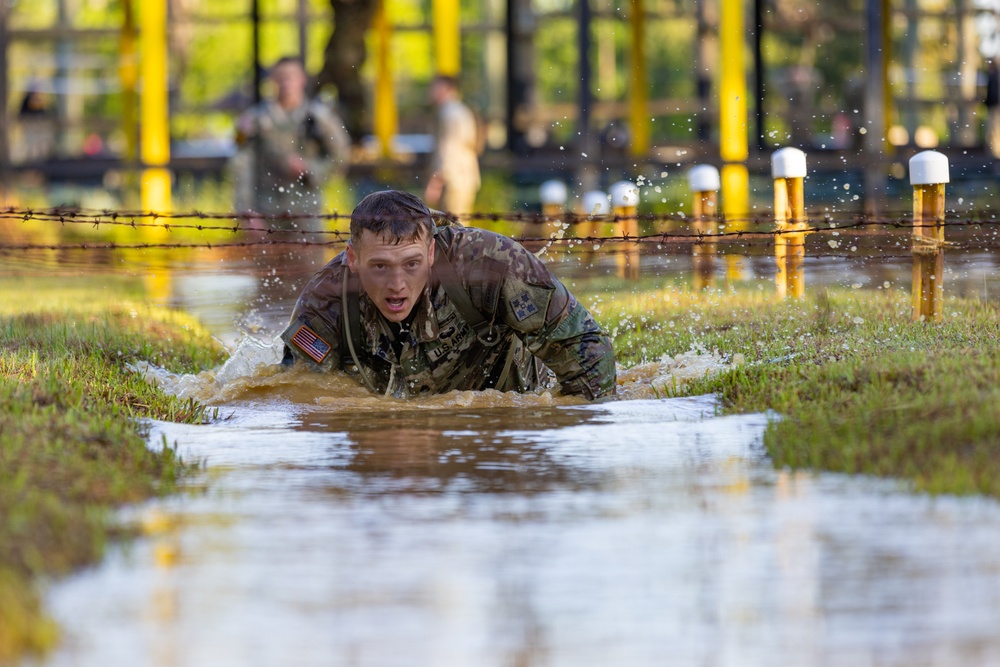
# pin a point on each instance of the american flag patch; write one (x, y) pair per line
(311, 344)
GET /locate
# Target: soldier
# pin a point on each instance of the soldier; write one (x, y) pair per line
(289, 146)
(412, 308)
(454, 178)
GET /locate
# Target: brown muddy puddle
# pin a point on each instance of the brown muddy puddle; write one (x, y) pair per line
(333, 528)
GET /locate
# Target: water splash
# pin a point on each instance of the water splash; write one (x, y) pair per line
(253, 374)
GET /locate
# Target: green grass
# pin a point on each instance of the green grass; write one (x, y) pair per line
(859, 386)
(70, 446)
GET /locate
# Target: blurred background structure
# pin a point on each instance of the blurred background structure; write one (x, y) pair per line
(588, 91)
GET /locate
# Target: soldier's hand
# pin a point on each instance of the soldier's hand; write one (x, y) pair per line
(297, 165)
(254, 223)
(432, 193)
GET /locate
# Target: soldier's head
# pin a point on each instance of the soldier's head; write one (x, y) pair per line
(443, 89)
(392, 250)
(289, 77)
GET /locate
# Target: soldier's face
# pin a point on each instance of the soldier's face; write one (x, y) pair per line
(392, 274)
(290, 80)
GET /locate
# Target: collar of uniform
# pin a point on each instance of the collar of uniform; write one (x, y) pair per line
(295, 115)
(425, 324)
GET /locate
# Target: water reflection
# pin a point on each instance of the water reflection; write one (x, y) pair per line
(456, 451)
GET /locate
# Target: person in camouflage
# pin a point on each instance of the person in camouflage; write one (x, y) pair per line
(288, 149)
(412, 308)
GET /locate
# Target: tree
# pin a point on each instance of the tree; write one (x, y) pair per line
(344, 55)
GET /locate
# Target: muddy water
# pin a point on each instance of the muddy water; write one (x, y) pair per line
(640, 532)
(329, 527)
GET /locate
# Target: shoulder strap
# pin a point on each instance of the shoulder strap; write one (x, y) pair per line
(486, 332)
(350, 330)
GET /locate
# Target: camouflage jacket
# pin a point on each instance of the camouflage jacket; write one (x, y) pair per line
(534, 317)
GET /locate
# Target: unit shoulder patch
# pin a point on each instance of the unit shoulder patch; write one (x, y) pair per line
(523, 307)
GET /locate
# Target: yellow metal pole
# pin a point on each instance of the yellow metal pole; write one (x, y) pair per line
(594, 207)
(447, 30)
(625, 206)
(733, 140)
(705, 182)
(155, 145)
(128, 73)
(638, 93)
(929, 172)
(788, 167)
(386, 114)
(736, 196)
(553, 195)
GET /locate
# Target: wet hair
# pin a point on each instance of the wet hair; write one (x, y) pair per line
(397, 215)
(450, 81)
(288, 60)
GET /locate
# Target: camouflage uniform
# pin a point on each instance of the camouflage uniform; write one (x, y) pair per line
(268, 135)
(532, 318)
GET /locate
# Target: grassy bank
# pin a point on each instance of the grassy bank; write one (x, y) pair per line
(69, 446)
(861, 388)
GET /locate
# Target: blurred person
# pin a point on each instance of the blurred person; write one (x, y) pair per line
(37, 136)
(413, 308)
(289, 147)
(454, 177)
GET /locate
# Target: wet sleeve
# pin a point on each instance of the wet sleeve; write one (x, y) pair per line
(555, 327)
(241, 166)
(313, 332)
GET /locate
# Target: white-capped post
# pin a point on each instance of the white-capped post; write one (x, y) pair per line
(593, 211)
(788, 169)
(553, 195)
(929, 173)
(625, 204)
(705, 184)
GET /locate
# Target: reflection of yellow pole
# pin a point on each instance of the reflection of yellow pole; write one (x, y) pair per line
(386, 117)
(704, 181)
(733, 141)
(788, 167)
(638, 95)
(128, 72)
(928, 174)
(155, 114)
(625, 206)
(447, 30)
(157, 274)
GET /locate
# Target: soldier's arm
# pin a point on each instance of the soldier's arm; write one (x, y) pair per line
(336, 143)
(241, 166)
(555, 327)
(313, 332)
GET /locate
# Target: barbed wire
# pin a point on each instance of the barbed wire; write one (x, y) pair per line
(730, 231)
(163, 220)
